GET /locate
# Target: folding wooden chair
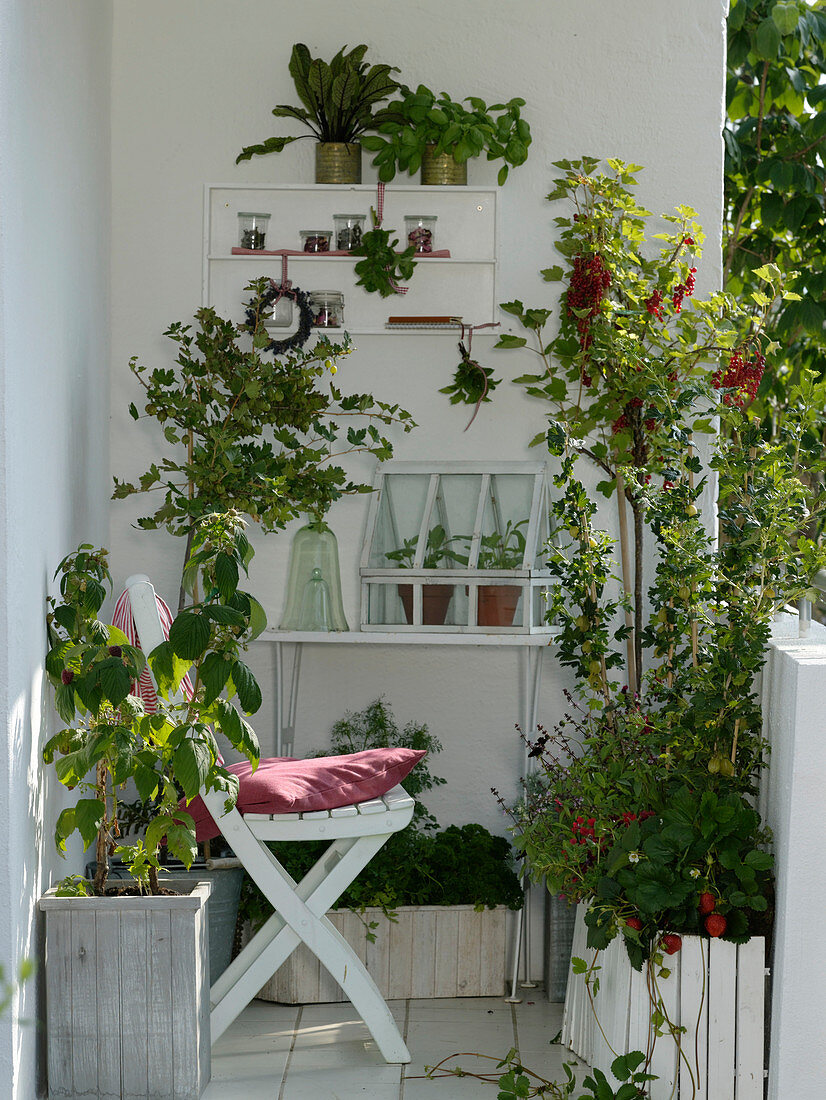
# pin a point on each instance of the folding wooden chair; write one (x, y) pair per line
(356, 832)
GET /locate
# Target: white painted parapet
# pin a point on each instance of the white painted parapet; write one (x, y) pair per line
(794, 701)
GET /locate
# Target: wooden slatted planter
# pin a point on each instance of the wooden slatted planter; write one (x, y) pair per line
(430, 951)
(127, 995)
(715, 991)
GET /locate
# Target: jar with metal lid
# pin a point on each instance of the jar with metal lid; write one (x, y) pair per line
(315, 240)
(327, 308)
(252, 229)
(348, 230)
(421, 232)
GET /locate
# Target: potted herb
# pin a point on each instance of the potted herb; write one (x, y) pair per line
(435, 597)
(339, 103)
(497, 603)
(140, 939)
(439, 135)
(646, 814)
(434, 904)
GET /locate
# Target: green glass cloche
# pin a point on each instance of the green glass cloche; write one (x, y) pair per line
(314, 582)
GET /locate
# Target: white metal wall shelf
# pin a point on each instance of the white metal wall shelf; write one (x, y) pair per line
(462, 285)
(529, 646)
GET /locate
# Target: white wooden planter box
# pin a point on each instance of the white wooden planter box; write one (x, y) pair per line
(430, 951)
(127, 995)
(716, 991)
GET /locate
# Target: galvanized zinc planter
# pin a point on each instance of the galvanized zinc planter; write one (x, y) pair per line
(127, 995)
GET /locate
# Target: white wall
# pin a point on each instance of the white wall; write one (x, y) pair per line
(194, 81)
(54, 390)
(793, 694)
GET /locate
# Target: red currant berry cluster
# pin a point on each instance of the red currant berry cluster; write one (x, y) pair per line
(590, 279)
(586, 380)
(583, 830)
(654, 304)
(741, 377)
(685, 289)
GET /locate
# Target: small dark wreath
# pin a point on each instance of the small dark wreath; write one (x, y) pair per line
(305, 316)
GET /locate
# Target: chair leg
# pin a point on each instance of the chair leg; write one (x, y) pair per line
(300, 916)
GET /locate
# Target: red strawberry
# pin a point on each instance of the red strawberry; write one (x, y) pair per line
(635, 923)
(715, 925)
(67, 676)
(708, 902)
(672, 943)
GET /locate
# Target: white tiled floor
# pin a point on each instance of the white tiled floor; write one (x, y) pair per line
(324, 1052)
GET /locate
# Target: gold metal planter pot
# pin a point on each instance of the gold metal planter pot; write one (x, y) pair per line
(442, 168)
(337, 162)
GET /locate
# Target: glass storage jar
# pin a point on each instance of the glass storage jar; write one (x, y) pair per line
(327, 308)
(421, 232)
(252, 229)
(315, 240)
(282, 314)
(348, 230)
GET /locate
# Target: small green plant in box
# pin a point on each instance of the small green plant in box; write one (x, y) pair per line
(500, 549)
(437, 550)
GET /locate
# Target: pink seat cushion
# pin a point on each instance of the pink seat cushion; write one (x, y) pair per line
(283, 785)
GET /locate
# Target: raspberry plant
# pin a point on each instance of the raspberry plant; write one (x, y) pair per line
(108, 734)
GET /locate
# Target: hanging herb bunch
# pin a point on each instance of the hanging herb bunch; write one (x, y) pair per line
(382, 265)
(472, 384)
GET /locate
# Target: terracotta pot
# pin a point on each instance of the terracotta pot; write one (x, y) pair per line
(442, 168)
(497, 604)
(435, 602)
(337, 162)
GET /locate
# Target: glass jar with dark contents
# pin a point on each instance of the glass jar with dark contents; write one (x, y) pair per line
(315, 240)
(348, 229)
(252, 230)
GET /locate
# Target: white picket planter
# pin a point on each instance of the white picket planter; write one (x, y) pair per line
(127, 995)
(429, 951)
(716, 991)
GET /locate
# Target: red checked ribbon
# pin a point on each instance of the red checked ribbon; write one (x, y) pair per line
(379, 218)
(285, 284)
(473, 328)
